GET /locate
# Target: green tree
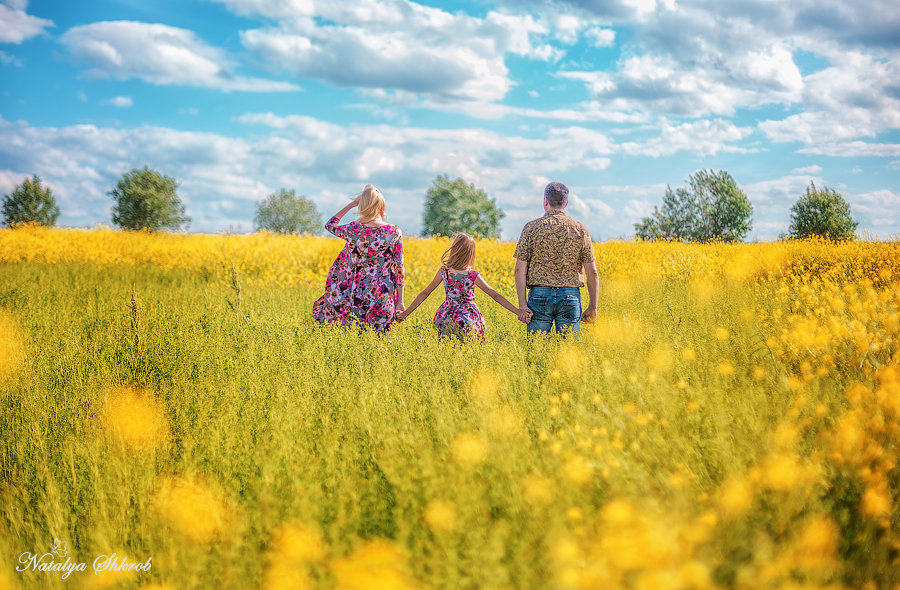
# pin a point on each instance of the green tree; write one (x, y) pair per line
(455, 205)
(146, 199)
(30, 203)
(822, 212)
(711, 208)
(286, 213)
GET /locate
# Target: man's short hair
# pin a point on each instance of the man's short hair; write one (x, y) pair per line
(557, 194)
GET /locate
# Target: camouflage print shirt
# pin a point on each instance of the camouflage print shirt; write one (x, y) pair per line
(556, 248)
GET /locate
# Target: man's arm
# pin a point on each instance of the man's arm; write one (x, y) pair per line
(592, 281)
(521, 274)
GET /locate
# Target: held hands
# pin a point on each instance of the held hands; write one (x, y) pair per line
(400, 312)
(524, 315)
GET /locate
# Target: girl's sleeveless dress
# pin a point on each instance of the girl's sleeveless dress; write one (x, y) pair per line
(360, 286)
(458, 315)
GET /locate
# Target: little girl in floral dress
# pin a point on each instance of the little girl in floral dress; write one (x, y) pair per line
(459, 315)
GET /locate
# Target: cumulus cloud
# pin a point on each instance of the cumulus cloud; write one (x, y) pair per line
(696, 58)
(638, 209)
(705, 137)
(222, 177)
(323, 160)
(852, 149)
(159, 54)
(403, 45)
(16, 25)
(814, 169)
(855, 97)
(121, 101)
(601, 37)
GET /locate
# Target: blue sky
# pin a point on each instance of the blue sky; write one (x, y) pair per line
(618, 99)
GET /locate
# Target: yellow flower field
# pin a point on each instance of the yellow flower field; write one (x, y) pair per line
(731, 420)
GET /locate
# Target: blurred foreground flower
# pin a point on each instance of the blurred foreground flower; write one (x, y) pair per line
(135, 418)
(376, 565)
(440, 516)
(192, 507)
(469, 449)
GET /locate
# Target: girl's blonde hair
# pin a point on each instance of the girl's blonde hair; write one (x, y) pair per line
(461, 254)
(371, 204)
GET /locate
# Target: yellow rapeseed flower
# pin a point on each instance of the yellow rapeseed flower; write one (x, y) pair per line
(660, 359)
(440, 516)
(484, 386)
(504, 422)
(577, 470)
(816, 545)
(135, 418)
(377, 564)
(538, 490)
(297, 542)
(735, 497)
(192, 507)
(689, 354)
(287, 576)
(469, 449)
(725, 368)
(571, 359)
(722, 333)
(876, 500)
(694, 575)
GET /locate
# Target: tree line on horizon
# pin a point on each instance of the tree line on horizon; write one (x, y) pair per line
(710, 208)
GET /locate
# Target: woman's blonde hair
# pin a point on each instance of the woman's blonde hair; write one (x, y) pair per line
(461, 254)
(371, 204)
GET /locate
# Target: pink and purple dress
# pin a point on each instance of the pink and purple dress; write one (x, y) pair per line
(362, 282)
(459, 315)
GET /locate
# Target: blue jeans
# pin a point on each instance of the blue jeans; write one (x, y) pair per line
(554, 304)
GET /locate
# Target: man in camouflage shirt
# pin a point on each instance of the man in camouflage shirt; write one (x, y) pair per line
(550, 256)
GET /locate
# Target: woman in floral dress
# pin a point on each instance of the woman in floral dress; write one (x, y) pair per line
(459, 315)
(364, 286)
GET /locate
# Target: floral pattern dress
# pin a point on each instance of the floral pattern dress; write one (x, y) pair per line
(362, 282)
(459, 315)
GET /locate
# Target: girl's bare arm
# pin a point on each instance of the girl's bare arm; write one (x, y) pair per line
(421, 297)
(483, 285)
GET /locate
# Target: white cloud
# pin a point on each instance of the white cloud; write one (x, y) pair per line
(707, 84)
(704, 137)
(877, 202)
(851, 99)
(320, 159)
(159, 54)
(601, 37)
(8, 59)
(638, 209)
(779, 193)
(17, 26)
(359, 59)
(814, 169)
(852, 149)
(121, 101)
(402, 45)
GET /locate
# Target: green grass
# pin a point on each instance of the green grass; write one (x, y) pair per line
(352, 432)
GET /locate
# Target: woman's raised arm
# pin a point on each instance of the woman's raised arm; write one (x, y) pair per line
(332, 224)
